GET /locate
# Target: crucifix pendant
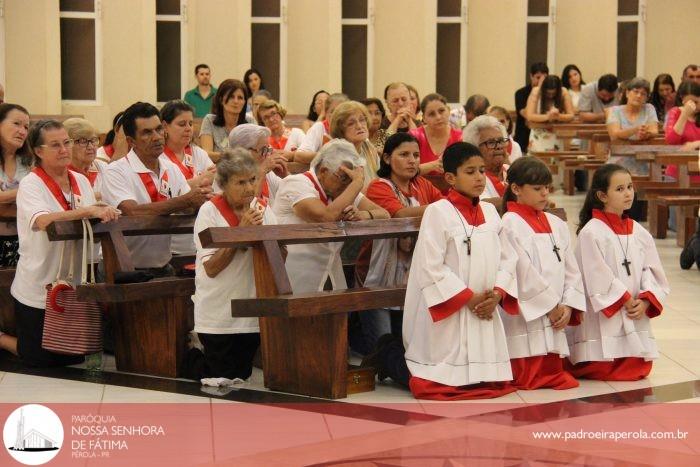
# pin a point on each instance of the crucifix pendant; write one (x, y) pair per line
(468, 241)
(626, 263)
(556, 252)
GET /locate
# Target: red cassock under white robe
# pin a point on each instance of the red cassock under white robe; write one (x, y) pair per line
(608, 345)
(450, 352)
(545, 278)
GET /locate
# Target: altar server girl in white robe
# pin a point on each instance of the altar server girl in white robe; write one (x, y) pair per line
(550, 292)
(453, 334)
(624, 282)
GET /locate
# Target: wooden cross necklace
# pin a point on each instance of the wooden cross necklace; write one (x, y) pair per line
(555, 248)
(626, 263)
(468, 240)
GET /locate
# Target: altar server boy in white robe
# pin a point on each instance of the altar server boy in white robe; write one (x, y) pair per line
(550, 292)
(455, 345)
(624, 282)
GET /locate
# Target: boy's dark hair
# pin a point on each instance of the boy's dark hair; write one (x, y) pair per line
(137, 110)
(525, 171)
(607, 83)
(201, 65)
(457, 154)
(539, 67)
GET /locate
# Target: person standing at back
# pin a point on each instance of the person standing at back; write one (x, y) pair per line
(538, 71)
(200, 96)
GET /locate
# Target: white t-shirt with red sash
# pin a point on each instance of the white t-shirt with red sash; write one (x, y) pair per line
(128, 179)
(213, 295)
(316, 137)
(39, 194)
(289, 141)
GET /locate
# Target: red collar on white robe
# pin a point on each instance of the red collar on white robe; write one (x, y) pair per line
(498, 184)
(470, 209)
(535, 218)
(619, 225)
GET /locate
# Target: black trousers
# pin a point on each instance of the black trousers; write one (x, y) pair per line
(30, 329)
(225, 356)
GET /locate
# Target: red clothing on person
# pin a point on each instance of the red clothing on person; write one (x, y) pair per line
(620, 369)
(426, 152)
(691, 132)
(382, 193)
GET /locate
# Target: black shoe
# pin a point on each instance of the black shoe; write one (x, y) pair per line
(691, 253)
(373, 359)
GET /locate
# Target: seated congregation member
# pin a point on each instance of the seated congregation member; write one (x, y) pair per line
(223, 274)
(317, 110)
(83, 156)
(401, 116)
(513, 149)
(330, 191)
(538, 71)
(228, 110)
(144, 183)
(435, 134)
(663, 95)
(283, 139)
(487, 133)
(258, 98)
(350, 121)
(414, 99)
(624, 282)
(51, 192)
(550, 292)
(15, 164)
(691, 73)
(320, 132)
(253, 81)
(548, 103)
(596, 97)
(572, 80)
(201, 96)
(476, 105)
(377, 114)
(633, 120)
(461, 270)
(272, 166)
(115, 146)
(403, 193)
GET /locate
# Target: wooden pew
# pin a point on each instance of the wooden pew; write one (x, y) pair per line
(566, 132)
(151, 319)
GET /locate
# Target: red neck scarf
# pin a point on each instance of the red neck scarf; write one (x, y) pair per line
(225, 210)
(109, 150)
(281, 142)
(156, 194)
(265, 190)
(55, 189)
(497, 183)
(321, 193)
(466, 206)
(537, 220)
(187, 164)
(619, 225)
(90, 174)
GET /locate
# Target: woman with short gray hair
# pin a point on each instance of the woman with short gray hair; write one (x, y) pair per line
(490, 136)
(330, 191)
(223, 274)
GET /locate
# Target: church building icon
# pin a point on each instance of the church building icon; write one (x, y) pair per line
(33, 440)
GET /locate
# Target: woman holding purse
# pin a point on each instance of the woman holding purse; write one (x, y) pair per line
(50, 193)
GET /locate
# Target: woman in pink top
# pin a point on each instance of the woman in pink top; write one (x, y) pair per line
(435, 134)
(683, 124)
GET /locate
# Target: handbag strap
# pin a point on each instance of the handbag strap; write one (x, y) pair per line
(88, 248)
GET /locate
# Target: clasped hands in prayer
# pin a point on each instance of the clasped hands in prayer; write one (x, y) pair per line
(636, 308)
(559, 316)
(483, 304)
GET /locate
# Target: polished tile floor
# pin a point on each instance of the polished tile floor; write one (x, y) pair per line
(673, 379)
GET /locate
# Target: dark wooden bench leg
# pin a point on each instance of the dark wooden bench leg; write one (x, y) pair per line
(686, 224)
(658, 219)
(150, 335)
(569, 187)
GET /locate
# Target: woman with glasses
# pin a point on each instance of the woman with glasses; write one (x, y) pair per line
(350, 121)
(435, 134)
(50, 193)
(283, 140)
(273, 166)
(549, 102)
(15, 164)
(486, 133)
(502, 115)
(83, 156)
(633, 120)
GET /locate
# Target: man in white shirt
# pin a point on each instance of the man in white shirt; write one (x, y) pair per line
(144, 183)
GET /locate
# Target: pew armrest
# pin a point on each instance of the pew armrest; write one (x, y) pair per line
(157, 288)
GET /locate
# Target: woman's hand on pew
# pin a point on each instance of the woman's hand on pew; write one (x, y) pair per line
(691, 146)
(103, 212)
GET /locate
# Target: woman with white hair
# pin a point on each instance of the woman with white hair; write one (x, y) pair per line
(273, 167)
(330, 191)
(487, 133)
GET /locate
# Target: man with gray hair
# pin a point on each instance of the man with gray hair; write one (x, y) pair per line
(330, 191)
(487, 133)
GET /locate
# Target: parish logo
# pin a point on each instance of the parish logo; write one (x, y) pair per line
(33, 434)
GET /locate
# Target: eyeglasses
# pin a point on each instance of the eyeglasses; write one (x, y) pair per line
(353, 122)
(272, 115)
(83, 142)
(264, 151)
(57, 146)
(494, 143)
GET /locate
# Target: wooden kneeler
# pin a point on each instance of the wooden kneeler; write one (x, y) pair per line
(304, 336)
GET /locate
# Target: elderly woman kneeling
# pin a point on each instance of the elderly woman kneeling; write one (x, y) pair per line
(222, 274)
(330, 191)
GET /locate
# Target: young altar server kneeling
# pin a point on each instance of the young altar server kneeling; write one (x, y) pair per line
(624, 282)
(550, 292)
(453, 334)
(222, 274)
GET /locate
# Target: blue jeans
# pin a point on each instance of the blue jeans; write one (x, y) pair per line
(376, 323)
